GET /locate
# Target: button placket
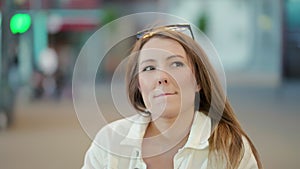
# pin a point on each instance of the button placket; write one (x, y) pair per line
(135, 161)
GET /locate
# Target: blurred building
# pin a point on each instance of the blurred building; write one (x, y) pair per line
(258, 41)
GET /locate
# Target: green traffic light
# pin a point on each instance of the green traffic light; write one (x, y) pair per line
(20, 23)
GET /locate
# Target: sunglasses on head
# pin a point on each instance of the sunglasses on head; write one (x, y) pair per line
(184, 28)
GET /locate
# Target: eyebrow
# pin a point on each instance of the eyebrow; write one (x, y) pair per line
(147, 60)
(168, 58)
(174, 56)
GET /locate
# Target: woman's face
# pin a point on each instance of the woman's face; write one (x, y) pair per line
(166, 80)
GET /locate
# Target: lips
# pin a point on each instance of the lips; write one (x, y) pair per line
(165, 94)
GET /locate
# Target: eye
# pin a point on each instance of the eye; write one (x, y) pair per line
(148, 68)
(177, 64)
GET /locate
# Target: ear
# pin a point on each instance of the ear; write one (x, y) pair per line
(198, 88)
(138, 86)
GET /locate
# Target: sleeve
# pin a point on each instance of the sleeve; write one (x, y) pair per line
(94, 158)
(248, 161)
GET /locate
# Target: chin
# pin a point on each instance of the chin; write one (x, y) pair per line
(169, 113)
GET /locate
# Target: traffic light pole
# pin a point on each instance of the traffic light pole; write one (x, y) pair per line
(6, 40)
(7, 96)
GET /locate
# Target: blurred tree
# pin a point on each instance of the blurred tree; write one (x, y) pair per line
(202, 22)
(109, 14)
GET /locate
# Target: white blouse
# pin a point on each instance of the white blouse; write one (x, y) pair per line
(118, 146)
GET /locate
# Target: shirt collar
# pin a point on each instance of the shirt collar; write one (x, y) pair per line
(198, 137)
(200, 132)
(136, 131)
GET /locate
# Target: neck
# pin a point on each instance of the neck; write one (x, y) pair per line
(171, 128)
(166, 134)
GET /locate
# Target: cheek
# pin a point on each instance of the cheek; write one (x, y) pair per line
(188, 87)
(185, 80)
(145, 86)
(144, 83)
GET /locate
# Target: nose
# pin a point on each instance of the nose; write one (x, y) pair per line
(165, 81)
(163, 78)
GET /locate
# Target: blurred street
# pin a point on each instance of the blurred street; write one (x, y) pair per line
(258, 46)
(271, 116)
(47, 134)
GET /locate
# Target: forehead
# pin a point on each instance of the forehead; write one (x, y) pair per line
(161, 46)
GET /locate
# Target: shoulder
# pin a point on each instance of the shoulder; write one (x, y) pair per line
(120, 126)
(111, 135)
(115, 132)
(248, 161)
(107, 143)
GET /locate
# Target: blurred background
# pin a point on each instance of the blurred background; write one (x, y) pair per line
(258, 42)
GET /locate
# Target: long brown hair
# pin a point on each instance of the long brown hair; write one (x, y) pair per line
(227, 134)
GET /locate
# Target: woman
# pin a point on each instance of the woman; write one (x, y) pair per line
(185, 120)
